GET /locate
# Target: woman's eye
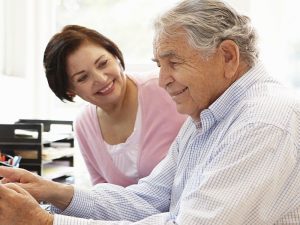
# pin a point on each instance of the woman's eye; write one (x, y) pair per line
(102, 63)
(82, 78)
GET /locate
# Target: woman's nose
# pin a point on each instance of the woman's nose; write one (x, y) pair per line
(99, 77)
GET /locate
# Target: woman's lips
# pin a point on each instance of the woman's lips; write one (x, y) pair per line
(106, 90)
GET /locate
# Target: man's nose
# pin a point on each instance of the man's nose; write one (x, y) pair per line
(165, 78)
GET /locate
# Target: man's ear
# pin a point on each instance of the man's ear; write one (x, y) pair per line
(231, 57)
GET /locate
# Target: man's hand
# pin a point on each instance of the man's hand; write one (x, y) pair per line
(55, 193)
(18, 207)
(32, 183)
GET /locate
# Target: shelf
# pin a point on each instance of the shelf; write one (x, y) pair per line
(50, 153)
(46, 146)
(55, 170)
(48, 137)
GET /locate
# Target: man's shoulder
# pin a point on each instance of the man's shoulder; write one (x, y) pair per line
(276, 109)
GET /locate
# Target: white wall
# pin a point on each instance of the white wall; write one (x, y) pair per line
(33, 22)
(28, 26)
(15, 99)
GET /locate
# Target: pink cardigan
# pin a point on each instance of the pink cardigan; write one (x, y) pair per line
(160, 125)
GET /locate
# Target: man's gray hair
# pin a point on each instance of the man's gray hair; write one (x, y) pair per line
(207, 23)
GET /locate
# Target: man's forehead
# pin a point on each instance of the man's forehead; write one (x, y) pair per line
(166, 48)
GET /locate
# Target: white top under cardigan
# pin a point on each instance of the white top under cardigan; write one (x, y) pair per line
(125, 155)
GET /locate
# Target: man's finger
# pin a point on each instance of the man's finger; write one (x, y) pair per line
(5, 191)
(10, 174)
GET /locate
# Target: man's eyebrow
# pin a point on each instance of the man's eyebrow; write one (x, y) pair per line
(167, 54)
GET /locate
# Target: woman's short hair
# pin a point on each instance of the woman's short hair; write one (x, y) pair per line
(65, 43)
(207, 23)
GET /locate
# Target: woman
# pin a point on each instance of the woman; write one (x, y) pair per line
(130, 122)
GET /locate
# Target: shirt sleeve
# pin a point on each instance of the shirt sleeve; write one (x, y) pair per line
(152, 220)
(148, 200)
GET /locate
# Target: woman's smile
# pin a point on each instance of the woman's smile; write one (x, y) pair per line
(107, 89)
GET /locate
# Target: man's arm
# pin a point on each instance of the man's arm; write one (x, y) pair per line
(112, 202)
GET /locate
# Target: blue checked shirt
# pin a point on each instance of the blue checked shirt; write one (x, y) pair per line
(239, 166)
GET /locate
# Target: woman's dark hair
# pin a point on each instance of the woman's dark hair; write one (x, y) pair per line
(62, 45)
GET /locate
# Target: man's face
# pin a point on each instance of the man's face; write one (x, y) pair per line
(194, 82)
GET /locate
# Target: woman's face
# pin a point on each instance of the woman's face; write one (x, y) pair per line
(96, 76)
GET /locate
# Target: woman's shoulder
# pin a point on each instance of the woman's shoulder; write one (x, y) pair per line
(87, 113)
(151, 95)
(148, 79)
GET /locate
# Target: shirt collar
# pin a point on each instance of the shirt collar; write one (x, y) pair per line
(231, 96)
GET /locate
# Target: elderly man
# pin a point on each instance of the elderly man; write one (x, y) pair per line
(236, 159)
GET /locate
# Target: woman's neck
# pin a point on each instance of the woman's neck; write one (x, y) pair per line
(117, 125)
(125, 108)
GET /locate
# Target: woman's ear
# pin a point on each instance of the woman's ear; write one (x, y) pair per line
(71, 94)
(231, 57)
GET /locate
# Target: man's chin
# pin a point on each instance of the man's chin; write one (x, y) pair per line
(188, 110)
(181, 109)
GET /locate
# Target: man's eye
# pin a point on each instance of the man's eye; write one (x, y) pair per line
(173, 64)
